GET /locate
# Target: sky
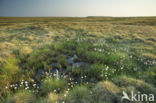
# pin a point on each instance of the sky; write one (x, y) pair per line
(77, 8)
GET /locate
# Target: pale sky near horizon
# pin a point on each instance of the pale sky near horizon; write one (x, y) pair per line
(77, 8)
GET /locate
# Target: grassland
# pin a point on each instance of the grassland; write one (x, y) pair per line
(76, 60)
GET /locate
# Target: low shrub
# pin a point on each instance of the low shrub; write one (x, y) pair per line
(9, 73)
(62, 60)
(106, 92)
(21, 96)
(52, 98)
(50, 85)
(79, 94)
(96, 71)
(150, 75)
(140, 85)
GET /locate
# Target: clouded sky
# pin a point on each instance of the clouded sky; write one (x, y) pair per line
(77, 8)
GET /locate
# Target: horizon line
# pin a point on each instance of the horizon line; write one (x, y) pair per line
(74, 16)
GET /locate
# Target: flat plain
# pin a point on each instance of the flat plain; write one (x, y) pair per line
(76, 60)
